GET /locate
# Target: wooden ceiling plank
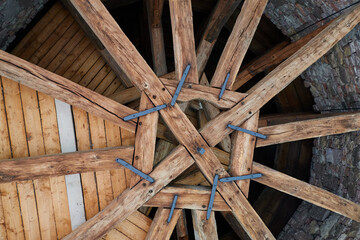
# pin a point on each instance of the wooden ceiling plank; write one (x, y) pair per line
(238, 42)
(145, 140)
(281, 76)
(219, 16)
(307, 192)
(204, 229)
(131, 199)
(160, 228)
(65, 90)
(183, 39)
(242, 152)
(300, 130)
(155, 9)
(30, 168)
(144, 79)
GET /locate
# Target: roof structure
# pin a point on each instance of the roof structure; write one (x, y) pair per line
(47, 75)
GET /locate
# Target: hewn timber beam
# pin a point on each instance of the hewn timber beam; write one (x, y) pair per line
(131, 199)
(200, 92)
(272, 58)
(238, 42)
(30, 168)
(219, 16)
(160, 228)
(204, 229)
(299, 130)
(135, 67)
(183, 39)
(281, 76)
(63, 89)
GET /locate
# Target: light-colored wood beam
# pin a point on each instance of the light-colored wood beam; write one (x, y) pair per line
(183, 39)
(305, 129)
(65, 90)
(219, 16)
(21, 169)
(242, 152)
(160, 228)
(238, 42)
(281, 76)
(204, 229)
(145, 139)
(131, 199)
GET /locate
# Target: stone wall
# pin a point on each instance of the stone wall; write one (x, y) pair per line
(334, 81)
(15, 15)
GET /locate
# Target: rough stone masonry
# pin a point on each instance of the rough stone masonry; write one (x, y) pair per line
(334, 81)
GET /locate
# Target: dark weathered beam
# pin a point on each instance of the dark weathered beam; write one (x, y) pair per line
(305, 129)
(63, 89)
(281, 76)
(30, 168)
(238, 42)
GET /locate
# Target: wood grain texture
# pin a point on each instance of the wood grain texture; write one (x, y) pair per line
(183, 39)
(242, 152)
(20, 169)
(145, 140)
(281, 76)
(65, 90)
(160, 228)
(238, 42)
(219, 16)
(191, 91)
(204, 229)
(307, 192)
(299, 130)
(178, 161)
(191, 197)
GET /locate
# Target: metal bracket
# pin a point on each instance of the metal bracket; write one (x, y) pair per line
(200, 150)
(181, 83)
(135, 170)
(250, 176)
(143, 113)
(223, 87)
(212, 197)
(246, 131)
(172, 208)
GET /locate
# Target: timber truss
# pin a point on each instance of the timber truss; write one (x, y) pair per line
(238, 109)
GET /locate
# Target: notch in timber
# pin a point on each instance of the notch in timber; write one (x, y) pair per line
(135, 170)
(143, 113)
(181, 83)
(172, 208)
(223, 87)
(212, 197)
(250, 176)
(246, 131)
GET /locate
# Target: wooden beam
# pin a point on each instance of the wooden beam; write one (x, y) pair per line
(191, 91)
(183, 39)
(238, 42)
(160, 228)
(191, 197)
(131, 199)
(204, 229)
(155, 9)
(219, 16)
(300, 130)
(95, 14)
(65, 90)
(21, 169)
(307, 192)
(272, 58)
(145, 139)
(242, 152)
(281, 76)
